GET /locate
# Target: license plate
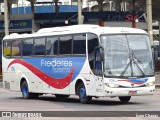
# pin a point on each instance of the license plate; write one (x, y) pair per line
(132, 92)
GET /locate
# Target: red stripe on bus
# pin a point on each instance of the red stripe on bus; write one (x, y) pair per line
(58, 83)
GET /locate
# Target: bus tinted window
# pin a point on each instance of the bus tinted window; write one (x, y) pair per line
(65, 45)
(16, 47)
(79, 44)
(7, 48)
(39, 46)
(27, 47)
(52, 46)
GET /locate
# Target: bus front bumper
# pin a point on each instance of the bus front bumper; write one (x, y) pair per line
(114, 92)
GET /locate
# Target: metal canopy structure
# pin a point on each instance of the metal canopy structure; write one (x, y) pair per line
(155, 4)
(151, 5)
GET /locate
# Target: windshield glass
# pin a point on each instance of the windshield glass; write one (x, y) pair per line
(127, 55)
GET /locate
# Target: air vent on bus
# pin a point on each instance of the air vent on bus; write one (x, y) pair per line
(7, 85)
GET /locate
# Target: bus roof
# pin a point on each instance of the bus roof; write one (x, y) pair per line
(77, 29)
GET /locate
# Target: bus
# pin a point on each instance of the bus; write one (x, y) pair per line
(84, 60)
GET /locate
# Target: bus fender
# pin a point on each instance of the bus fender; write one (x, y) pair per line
(78, 81)
(23, 77)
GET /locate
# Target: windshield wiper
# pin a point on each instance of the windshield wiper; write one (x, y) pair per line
(132, 59)
(135, 60)
(125, 69)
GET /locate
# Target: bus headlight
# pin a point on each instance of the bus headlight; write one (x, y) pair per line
(150, 84)
(112, 85)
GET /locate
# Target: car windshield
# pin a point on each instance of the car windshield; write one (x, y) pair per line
(127, 55)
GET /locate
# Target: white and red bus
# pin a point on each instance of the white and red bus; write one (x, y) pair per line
(84, 60)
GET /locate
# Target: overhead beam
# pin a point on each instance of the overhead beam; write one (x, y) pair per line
(80, 12)
(33, 21)
(149, 20)
(6, 17)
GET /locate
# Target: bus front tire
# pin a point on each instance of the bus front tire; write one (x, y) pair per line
(25, 92)
(125, 99)
(82, 94)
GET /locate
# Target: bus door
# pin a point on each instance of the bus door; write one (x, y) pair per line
(99, 85)
(94, 62)
(98, 73)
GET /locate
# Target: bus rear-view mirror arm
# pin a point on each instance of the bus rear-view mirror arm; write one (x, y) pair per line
(101, 54)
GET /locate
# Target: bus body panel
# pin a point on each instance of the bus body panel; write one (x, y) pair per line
(19, 70)
(39, 86)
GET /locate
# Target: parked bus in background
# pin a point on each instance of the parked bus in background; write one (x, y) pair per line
(84, 60)
(156, 56)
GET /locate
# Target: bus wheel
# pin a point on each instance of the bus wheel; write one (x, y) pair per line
(82, 94)
(62, 96)
(125, 99)
(25, 92)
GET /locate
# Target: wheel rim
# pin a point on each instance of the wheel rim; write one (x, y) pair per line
(25, 90)
(82, 93)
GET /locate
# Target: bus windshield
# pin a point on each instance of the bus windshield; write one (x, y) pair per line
(127, 55)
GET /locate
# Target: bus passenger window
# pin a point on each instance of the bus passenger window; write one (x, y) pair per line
(39, 46)
(7, 48)
(27, 47)
(65, 45)
(16, 47)
(52, 46)
(92, 43)
(79, 44)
